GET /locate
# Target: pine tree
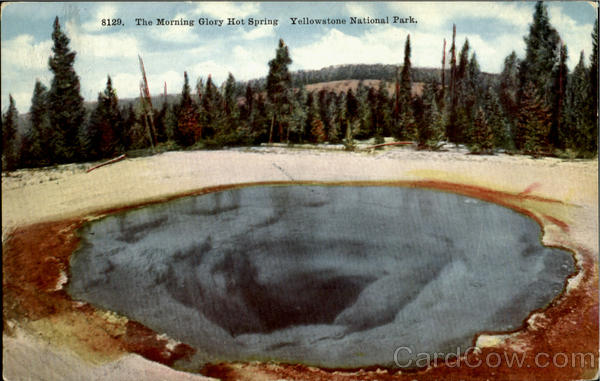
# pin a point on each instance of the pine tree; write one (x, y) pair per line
(593, 97)
(103, 137)
(130, 119)
(317, 131)
(493, 111)
(312, 114)
(279, 83)
(261, 120)
(536, 82)
(542, 46)
(209, 109)
(337, 118)
(323, 100)
(9, 135)
(534, 122)
(298, 116)
(384, 113)
(137, 135)
(352, 116)
(483, 136)
(396, 107)
(365, 97)
(188, 129)
(170, 123)
(407, 127)
(463, 62)
(508, 88)
(559, 87)
(159, 121)
(246, 111)
(39, 135)
(64, 100)
(465, 94)
(229, 96)
(431, 126)
(230, 133)
(436, 128)
(582, 133)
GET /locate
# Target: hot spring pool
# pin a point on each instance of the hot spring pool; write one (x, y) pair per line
(332, 276)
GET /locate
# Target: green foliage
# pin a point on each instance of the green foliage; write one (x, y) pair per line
(405, 124)
(542, 46)
(135, 128)
(9, 134)
(103, 136)
(499, 127)
(36, 142)
(508, 88)
(580, 132)
(594, 80)
(483, 135)
(432, 126)
(534, 106)
(160, 122)
(298, 117)
(365, 97)
(382, 117)
(559, 87)
(279, 84)
(188, 129)
(534, 123)
(66, 111)
(210, 110)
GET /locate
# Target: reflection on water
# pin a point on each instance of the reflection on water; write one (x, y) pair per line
(334, 276)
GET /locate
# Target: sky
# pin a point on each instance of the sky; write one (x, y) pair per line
(494, 29)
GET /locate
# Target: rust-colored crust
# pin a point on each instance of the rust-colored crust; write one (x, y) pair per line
(35, 258)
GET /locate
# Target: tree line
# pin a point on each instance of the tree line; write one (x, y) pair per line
(534, 106)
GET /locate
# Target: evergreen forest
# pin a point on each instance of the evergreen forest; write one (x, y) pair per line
(534, 106)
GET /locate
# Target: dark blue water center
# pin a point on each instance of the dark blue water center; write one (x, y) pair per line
(336, 276)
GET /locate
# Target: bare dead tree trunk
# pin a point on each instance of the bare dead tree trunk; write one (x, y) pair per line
(146, 95)
(444, 66)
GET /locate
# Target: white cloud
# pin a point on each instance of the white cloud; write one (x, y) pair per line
(216, 70)
(385, 44)
(176, 33)
(105, 11)
(103, 45)
(173, 79)
(360, 9)
(381, 45)
(259, 32)
(575, 36)
(255, 62)
(23, 60)
(22, 101)
(225, 9)
(125, 84)
(432, 14)
(24, 53)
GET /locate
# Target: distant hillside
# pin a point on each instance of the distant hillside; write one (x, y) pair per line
(343, 86)
(364, 72)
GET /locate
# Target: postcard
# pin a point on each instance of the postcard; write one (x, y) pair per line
(300, 190)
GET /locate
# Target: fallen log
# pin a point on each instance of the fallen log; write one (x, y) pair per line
(390, 144)
(118, 158)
